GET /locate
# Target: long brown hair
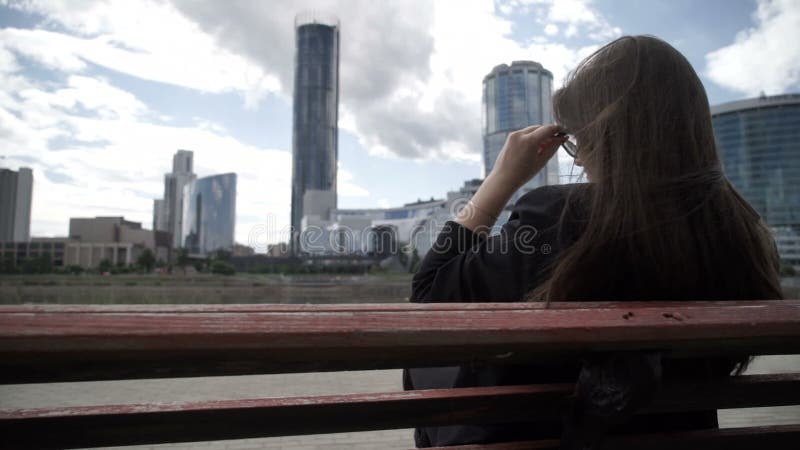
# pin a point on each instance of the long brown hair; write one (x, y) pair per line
(660, 220)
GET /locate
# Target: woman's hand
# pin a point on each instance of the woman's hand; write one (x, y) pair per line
(525, 153)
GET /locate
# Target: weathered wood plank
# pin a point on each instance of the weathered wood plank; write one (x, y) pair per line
(234, 419)
(53, 346)
(238, 419)
(779, 437)
(352, 307)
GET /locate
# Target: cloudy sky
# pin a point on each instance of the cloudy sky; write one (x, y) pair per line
(96, 96)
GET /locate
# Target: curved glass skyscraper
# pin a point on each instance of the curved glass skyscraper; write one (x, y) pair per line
(316, 105)
(514, 97)
(759, 142)
(209, 214)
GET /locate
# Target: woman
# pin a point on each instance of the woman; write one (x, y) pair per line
(658, 220)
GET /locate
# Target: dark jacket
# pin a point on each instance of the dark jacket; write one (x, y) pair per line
(462, 267)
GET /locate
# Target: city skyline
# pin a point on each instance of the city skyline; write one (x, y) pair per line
(95, 104)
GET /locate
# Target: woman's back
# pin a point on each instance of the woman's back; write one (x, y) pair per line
(658, 220)
(507, 266)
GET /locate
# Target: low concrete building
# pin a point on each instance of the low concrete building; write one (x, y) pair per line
(63, 252)
(279, 249)
(242, 250)
(14, 253)
(90, 241)
(379, 231)
(112, 238)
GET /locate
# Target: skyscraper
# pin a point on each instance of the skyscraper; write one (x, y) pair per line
(515, 97)
(209, 214)
(160, 215)
(174, 182)
(759, 143)
(315, 115)
(183, 161)
(16, 191)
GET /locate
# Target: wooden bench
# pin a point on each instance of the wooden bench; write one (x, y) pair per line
(80, 342)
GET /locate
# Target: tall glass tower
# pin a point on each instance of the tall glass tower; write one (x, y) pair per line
(316, 108)
(759, 142)
(514, 97)
(209, 214)
(174, 182)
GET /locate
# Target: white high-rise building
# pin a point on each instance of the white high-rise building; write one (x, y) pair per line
(515, 97)
(16, 192)
(168, 216)
(183, 162)
(160, 222)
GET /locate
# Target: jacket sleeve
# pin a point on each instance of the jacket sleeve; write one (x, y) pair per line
(463, 267)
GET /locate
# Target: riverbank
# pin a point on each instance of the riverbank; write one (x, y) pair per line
(209, 289)
(204, 289)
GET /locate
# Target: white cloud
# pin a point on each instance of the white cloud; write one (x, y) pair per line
(147, 39)
(346, 187)
(95, 151)
(579, 17)
(572, 11)
(411, 71)
(762, 58)
(91, 94)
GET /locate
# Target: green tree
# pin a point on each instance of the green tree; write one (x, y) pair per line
(199, 266)
(74, 269)
(222, 254)
(146, 260)
(413, 267)
(39, 264)
(105, 266)
(7, 266)
(402, 256)
(120, 267)
(183, 259)
(222, 268)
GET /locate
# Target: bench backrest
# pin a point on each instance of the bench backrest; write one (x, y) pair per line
(76, 343)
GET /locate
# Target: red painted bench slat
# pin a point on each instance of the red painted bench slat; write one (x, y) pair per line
(238, 419)
(55, 346)
(343, 307)
(82, 342)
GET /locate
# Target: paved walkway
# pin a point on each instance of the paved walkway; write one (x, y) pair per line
(216, 388)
